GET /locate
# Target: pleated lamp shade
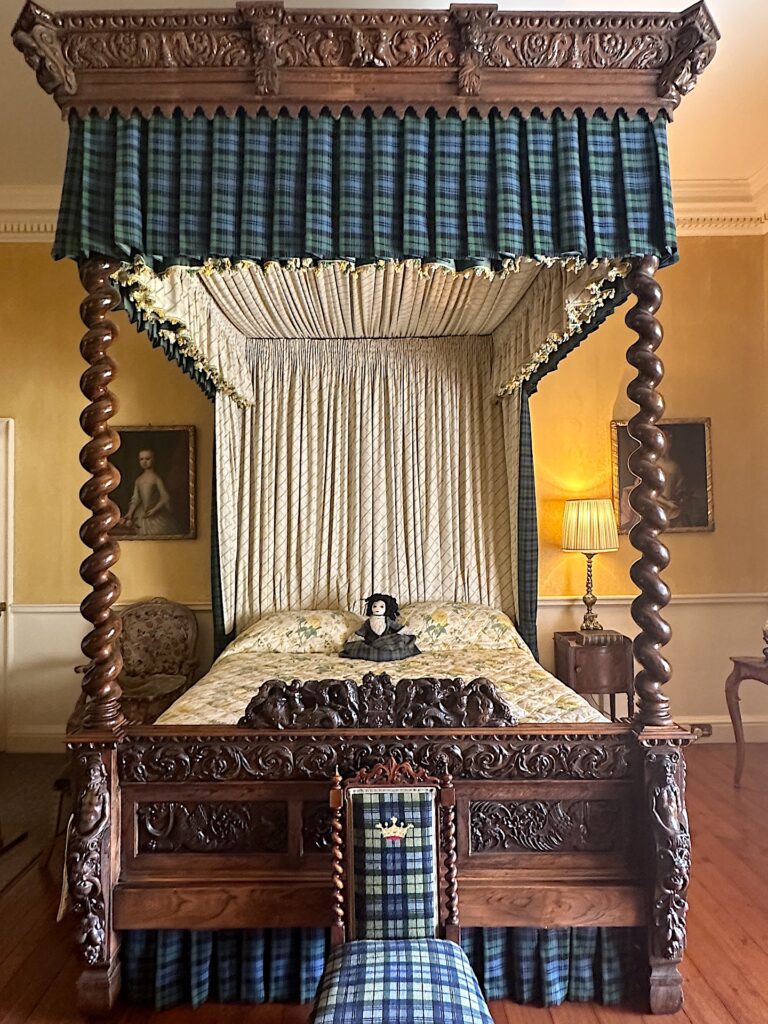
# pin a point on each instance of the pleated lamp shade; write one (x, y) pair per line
(589, 526)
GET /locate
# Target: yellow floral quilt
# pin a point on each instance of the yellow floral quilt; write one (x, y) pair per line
(220, 698)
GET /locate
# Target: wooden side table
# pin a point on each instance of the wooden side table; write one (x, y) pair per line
(597, 662)
(743, 668)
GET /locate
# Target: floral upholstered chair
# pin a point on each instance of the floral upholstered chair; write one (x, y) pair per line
(158, 641)
(394, 959)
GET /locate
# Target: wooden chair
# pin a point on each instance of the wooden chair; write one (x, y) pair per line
(395, 955)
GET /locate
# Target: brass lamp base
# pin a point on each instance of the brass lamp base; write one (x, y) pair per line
(590, 621)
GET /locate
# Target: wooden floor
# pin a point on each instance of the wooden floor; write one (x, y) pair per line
(726, 968)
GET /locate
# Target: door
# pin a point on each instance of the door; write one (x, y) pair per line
(6, 567)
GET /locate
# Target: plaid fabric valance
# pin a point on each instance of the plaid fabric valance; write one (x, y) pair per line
(177, 190)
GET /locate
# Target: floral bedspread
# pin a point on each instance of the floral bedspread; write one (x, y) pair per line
(220, 697)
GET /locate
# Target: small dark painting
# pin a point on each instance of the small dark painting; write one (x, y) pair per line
(687, 466)
(156, 496)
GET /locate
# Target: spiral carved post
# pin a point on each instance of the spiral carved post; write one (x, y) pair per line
(645, 535)
(101, 645)
(448, 804)
(337, 856)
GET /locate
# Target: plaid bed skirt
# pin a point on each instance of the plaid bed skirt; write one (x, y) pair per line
(527, 965)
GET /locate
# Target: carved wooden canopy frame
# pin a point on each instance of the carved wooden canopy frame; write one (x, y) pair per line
(261, 56)
(264, 56)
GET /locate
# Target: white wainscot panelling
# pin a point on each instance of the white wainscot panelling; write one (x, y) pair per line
(706, 630)
(42, 684)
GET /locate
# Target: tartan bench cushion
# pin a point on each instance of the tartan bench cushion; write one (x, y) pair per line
(410, 981)
(394, 883)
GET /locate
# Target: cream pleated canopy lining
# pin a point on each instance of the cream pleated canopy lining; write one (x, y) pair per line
(529, 308)
(367, 420)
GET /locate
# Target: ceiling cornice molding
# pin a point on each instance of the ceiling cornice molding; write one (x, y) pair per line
(722, 206)
(726, 206)
(28, 214)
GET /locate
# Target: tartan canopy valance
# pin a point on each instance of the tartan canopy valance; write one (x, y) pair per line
(177, 190)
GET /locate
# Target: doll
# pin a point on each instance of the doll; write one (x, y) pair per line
(381, 636)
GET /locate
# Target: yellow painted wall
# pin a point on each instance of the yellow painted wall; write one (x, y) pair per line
(39, 373)
(714, 313)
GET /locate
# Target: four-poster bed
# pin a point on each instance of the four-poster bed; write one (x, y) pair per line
(277, 163)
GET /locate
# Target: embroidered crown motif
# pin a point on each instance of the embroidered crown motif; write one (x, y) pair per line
(393, 831)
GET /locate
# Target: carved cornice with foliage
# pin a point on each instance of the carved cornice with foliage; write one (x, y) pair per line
(318, 756)
(261, 55)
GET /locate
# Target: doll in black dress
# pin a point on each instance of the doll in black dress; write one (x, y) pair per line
(381, 636)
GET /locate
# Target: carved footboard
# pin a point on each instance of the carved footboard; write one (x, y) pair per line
(229, 828)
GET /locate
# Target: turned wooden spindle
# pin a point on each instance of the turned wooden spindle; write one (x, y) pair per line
(337, 857)
(101, 645)
(645, 535)
(448, 800)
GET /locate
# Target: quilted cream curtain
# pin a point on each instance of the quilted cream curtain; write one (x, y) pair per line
(364, 463)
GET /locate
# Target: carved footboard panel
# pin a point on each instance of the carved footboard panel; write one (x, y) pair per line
(230, 829)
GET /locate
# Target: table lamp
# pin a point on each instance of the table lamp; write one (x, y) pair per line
(589, 526)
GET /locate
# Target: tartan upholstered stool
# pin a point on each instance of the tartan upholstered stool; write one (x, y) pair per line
(402, 963)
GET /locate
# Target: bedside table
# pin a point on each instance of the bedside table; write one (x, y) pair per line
(597, 662)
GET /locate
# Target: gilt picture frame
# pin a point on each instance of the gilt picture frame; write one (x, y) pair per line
(156, 495)
(688, 497)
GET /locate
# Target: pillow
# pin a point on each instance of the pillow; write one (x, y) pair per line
(302, 632)
(442, 626)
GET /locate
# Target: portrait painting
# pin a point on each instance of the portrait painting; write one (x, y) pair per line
(156, 495)
(687, 465)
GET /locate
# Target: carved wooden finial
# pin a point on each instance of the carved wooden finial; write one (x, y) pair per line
(36, 35)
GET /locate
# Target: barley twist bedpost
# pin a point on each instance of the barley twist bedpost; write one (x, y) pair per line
(100, 646)
(669, 844)
(645, 535)
(93, 845)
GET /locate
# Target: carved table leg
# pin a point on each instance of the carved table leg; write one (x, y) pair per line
(670, 868)
(91, 858)
(100, 646)
(732, 684)
(645, 535)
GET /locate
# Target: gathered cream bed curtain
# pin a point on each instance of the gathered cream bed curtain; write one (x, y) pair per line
(369, 438)
(364, 464)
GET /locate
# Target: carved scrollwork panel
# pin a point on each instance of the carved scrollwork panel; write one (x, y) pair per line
(316, 756)
(212, 827)
(543, 826)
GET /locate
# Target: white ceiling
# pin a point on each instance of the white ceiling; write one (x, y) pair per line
(720, 133)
